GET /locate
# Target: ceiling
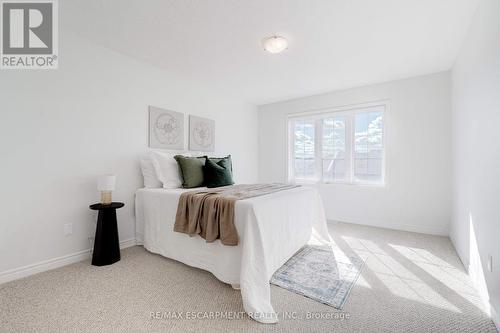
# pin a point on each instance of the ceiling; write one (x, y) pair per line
(334, 44)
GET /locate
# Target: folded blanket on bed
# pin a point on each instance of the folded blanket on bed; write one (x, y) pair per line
(210, 212)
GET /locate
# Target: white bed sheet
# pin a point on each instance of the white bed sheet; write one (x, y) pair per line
(271, 229)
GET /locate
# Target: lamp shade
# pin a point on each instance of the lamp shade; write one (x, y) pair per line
(106, 183)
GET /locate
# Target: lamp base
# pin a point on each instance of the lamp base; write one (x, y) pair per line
(106, 198)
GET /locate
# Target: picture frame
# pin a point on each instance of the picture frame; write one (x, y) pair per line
(201, 134)
(166, 129)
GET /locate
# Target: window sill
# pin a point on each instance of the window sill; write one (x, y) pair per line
(312, 182)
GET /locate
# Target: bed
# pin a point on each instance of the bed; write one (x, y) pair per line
(271, 229)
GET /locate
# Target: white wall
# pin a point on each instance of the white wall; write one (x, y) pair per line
(417, 194)
(476, 153)
(60, 129)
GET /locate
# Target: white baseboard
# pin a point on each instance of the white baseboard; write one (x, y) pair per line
(438, 231)
(127, 243)
(494, 317)
(46, 265)
(484, 296)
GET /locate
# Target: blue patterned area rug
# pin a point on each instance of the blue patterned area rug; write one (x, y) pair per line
(320, 273)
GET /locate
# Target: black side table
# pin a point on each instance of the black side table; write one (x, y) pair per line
(106, 243)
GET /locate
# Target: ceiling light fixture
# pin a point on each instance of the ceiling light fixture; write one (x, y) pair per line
(275, 44)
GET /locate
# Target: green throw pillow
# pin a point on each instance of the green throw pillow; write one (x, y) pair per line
(227, 158)
(191, 169)
(218, 174)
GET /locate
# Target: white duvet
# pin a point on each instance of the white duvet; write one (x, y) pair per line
(271, 229)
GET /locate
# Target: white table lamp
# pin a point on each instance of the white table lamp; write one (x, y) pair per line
(106, 185)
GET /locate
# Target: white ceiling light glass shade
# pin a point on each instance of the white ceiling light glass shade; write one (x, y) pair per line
(275, 44)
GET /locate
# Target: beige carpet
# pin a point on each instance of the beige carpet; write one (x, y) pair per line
(410, 283)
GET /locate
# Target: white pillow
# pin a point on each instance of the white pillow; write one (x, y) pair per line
(167, 169)
(148, 173)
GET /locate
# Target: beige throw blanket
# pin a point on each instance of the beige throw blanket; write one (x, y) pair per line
(210, 212)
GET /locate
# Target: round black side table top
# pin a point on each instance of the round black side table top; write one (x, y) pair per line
(106, 242)
(114, 205)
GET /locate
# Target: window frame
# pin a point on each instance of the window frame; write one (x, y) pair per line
(349, 112)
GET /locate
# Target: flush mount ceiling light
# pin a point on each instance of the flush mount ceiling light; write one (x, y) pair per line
(275, 44)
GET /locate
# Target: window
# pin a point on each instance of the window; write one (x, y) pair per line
(345, 146)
